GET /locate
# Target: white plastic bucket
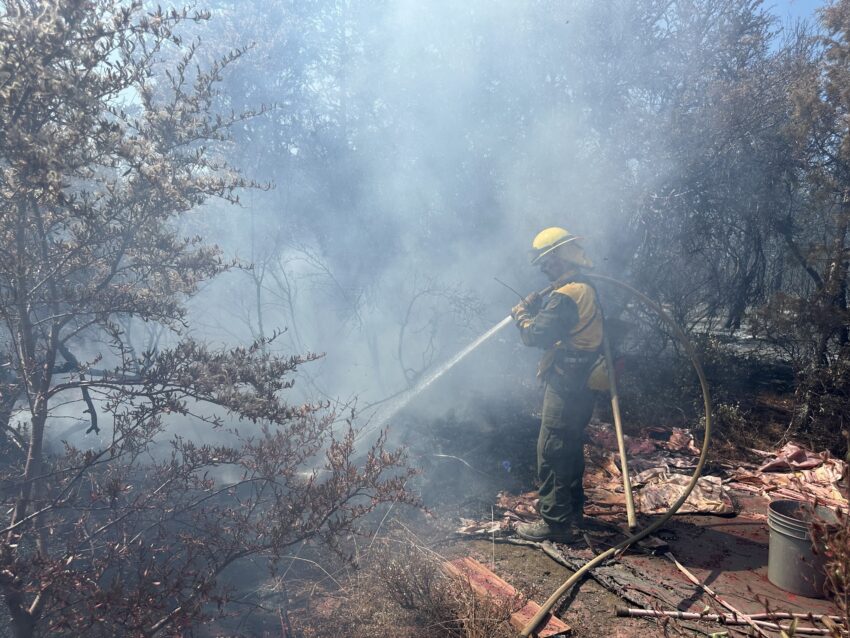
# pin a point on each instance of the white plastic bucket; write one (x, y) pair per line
(792, 564)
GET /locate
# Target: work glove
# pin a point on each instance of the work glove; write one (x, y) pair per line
(528, 306)
(518, 311)
(533, 303)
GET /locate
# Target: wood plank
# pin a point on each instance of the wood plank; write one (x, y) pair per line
(486, 583)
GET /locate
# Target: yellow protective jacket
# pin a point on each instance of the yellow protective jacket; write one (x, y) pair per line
(568, 326)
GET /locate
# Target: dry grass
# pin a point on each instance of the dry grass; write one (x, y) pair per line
(834, 541)
(400, 588)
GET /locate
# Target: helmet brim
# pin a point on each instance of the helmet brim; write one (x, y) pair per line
(537, 256)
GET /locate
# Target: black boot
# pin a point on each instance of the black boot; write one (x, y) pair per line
(543, 531)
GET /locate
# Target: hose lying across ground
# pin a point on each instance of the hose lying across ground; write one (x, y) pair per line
(689, 350)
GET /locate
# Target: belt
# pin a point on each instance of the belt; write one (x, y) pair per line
(590, 356)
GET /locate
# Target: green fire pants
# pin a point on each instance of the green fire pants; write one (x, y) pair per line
(560, 452)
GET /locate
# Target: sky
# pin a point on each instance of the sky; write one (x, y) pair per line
(795, 8)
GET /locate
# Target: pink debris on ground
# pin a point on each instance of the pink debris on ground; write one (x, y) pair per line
(794, 457)
(661, 464)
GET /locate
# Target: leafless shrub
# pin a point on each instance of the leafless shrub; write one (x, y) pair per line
(432, 307)
(110, 131)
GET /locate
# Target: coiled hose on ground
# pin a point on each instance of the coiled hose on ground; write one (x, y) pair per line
(689, 350)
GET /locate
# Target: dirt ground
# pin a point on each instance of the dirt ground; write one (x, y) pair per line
(482, 447)
(589, 609)
(472, 458)
(729, 554)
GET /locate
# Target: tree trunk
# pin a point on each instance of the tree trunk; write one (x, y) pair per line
(833, 300)
(23, 623)
(34, 454)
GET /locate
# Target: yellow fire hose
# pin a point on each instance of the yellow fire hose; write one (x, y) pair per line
(618, 429)
(689, 350)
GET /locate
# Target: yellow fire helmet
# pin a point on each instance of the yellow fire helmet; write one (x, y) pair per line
(553, 238)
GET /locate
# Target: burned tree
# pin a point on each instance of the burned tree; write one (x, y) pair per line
(808, 316)
(109, 133)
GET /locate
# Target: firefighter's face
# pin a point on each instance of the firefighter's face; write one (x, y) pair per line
(552, 266)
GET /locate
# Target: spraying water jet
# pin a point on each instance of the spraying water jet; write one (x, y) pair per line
(394, 406)
(390, 408)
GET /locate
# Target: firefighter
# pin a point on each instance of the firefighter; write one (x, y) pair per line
(568, 326)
